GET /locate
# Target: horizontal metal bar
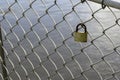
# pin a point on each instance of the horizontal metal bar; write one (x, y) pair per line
(111, 3)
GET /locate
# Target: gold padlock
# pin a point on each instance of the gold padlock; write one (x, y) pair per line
(80, 36)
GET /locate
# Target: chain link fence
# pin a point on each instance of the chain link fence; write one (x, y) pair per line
(37, 41)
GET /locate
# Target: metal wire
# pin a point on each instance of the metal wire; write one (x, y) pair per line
(38, 42)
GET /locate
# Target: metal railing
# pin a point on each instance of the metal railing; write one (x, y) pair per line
(37, 41)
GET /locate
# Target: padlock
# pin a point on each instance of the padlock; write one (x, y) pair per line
(80, 36)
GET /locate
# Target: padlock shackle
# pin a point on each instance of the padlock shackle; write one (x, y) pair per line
(82, 25)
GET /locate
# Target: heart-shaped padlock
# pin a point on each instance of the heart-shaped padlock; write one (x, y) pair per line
(80, 36)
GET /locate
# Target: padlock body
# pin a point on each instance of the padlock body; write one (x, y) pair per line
(80, 37)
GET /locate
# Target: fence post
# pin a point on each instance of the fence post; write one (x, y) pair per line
(2, 58)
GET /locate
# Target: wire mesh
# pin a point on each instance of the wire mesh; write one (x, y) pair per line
(38, 43)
